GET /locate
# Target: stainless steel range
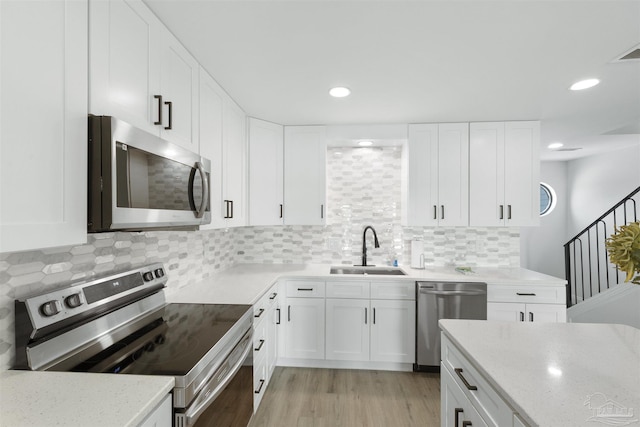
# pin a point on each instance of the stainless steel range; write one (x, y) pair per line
(122, 324)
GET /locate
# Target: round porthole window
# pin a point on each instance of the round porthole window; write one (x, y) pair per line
(547, 199)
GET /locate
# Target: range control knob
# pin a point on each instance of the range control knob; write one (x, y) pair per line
(50, 308)
(159, 272)
(148, 276)
(73, 301)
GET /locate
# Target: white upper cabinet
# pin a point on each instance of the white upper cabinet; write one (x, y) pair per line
(504, 174)
(222, 140)
(305, 152)
(179, 90)
(234, 154)
(140, 73)
(210, 124)
(43, 127)
(436, 184)
(266, 186)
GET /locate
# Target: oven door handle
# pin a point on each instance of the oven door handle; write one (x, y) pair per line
(198, 408)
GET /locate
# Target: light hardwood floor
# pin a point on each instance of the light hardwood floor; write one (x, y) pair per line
(302, 397)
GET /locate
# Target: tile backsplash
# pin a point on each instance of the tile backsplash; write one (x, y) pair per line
(362, 189)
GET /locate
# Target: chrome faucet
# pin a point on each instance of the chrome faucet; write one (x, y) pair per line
(364, 243)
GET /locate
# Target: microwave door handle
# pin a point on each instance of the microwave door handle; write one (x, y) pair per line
(205, 191)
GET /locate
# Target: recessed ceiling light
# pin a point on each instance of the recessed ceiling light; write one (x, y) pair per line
(339, 92)
(584, 84)
(555, 145)
(365, 143)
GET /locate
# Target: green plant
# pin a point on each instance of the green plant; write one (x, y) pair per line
(624, 250)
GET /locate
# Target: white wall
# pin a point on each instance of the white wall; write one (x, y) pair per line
(598, 182)
(541, 248)
(619, 305)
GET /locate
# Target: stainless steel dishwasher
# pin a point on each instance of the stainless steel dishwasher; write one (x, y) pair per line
(443, 300)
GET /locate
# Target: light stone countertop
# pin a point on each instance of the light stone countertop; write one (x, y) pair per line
(72, 399)
(246, 283)
(548, 371)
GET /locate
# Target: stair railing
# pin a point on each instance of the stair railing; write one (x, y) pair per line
(586, 261)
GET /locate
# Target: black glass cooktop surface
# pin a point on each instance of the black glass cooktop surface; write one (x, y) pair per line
(171, 344)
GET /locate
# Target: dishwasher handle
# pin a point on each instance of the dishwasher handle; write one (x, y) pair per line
(452, 293)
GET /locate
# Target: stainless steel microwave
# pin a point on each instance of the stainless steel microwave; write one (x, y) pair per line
(139, 181)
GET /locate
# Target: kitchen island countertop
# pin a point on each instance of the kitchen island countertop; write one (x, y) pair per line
(74, 399)
(246, 283)
(556, 374)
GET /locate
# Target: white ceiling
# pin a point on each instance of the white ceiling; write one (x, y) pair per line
(424, 61)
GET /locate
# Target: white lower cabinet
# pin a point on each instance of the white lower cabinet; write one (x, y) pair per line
(339, 321)
(265, 342)
(455, 408)
(519, 303)
(393, 331)
(348, 323)
(467, 398)
(304, 337)
(518, 312)
(161, 416)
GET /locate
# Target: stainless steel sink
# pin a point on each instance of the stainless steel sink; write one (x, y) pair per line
(381, 271)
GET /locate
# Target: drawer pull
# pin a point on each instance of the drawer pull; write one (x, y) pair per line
(259, 347)
(274, 295)
(522, 316)
(466, 423)
(464, 380)
(259, 313)
(530, 316)
(457, 413)
(525, 294)
(259, 387)
(306, 289)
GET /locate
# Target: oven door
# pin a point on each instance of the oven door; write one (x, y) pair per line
(226, 400)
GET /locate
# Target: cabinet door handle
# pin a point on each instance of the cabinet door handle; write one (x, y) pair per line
(365, 315)
(273, 296)
(435, 212)
(278, 311)
(231, 203)
(322, 211)
(508, 211)
(259, 387)
(288, 313)
(374, 315)
(522, 316)
(466, 423)
(226, 209)
(159, 98)
(441, 211)
(259, 313)
(456, 415)
(464, 380)
(501, 211)
(170, 104)
(530, 316)
(280, 210)
(525, 294)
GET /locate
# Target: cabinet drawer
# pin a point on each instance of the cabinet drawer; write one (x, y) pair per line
(260, 381)
(526, 294)
(267, 300)
(305, 288)
(347, 289)
(455, 408)
(393, 290)
(260, 339)
(485, 399)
